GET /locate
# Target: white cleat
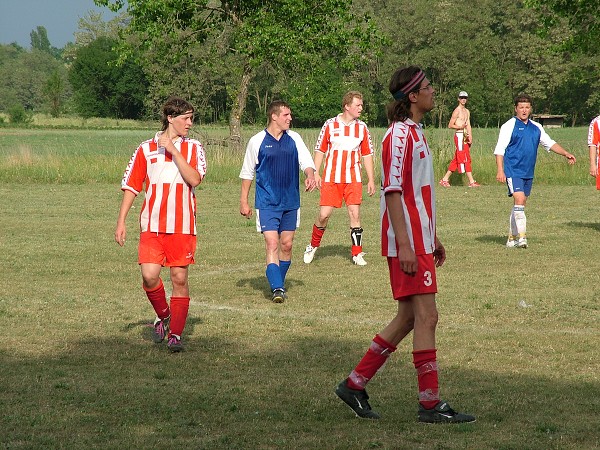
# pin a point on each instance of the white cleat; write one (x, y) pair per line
(522, 242)
(309, 253)
(511, 243)
(359, 259)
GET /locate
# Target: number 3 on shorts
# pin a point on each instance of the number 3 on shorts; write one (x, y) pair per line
(428, 281)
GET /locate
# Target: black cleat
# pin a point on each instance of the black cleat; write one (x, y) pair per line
(442, 413)
(357, 400)
(278, 296)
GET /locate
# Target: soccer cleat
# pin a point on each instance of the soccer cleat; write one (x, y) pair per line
(474, 184)
(359, 259)
(357, 400)
(442, 413)
(161, 329)
(512, 242)
(444, 183)
(174, 343)
(309, 253)
(522, 242)
(279, 296)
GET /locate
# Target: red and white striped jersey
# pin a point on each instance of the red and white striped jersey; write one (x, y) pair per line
(170, 203)
(594, 133)
(407, 167)
(343, 145)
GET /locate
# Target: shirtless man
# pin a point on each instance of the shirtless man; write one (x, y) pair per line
(461, 122)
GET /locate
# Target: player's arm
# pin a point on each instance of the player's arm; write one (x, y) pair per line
(406, 254)
(126, 203)
(245, 209)
(468, 128)
(319, 156)
(310, 182)
(557, 148)
(452, 122)
(439, 254)
(593, 160)
(368, 163)
(500, 176)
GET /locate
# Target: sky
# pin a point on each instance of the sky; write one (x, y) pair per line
(60, 18)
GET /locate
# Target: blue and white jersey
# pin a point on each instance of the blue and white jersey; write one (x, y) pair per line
(275, 164)
(518, 142)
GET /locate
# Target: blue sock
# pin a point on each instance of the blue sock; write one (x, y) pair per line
(283, 267)
(274, 276)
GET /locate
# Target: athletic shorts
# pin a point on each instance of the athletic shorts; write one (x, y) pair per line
(332, 194)
(269, 220)
(519, 185)
(404, 285)
(462, 155)
(167, 249)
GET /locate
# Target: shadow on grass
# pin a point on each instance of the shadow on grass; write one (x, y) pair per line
(492, 239)
(592, 225)
(261, 284)
(230, 392)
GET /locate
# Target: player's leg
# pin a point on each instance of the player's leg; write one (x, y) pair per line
(180, 304)
(353, 199)
(520, 219)
(330, 198)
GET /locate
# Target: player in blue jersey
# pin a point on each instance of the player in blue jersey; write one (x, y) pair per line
(273, 156)
(516, 154)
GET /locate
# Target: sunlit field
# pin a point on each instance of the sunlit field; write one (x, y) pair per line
(517, 338)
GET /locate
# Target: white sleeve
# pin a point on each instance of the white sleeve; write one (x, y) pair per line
(506, 131)
(304, 156)
(546, 141)
(251, 157)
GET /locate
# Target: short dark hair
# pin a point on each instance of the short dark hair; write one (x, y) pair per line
(275, 107)
(399, 110)
(174, 106)
(523, 98)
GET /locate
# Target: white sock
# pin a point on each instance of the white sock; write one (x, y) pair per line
(520, 220)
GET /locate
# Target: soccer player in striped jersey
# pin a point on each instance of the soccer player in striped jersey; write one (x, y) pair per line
(413, 251)
(168, 168)
(516, 155)
(275, 156)
(594, 146)
(343, 141)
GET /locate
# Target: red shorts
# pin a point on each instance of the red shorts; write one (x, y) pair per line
(167, 249)
(332, 194)
(423, 282)
(462, 155)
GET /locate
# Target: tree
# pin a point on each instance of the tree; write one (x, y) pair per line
(247, 33)
(103, 89)
(55, 90)
(583, 17)
(40, 41)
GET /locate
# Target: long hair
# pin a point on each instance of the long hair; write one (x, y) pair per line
(399, 110)
(174, 106)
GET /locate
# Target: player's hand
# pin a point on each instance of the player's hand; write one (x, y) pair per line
(120, 234)
(245, 210)
(310, 184)
(570, 159)
(408, 260)
(501, 177)
(165, 142)
(439, 254)
(318, 181)
(371, 188)
(594, 171)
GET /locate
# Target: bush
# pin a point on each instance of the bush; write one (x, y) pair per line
(18, 114)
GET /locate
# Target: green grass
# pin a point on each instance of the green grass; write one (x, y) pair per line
(79, 369)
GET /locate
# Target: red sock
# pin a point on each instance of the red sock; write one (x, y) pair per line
(179, 313)
(317, 235)
(427, 375)
(356, 249)
(371, 363)
(158, 299)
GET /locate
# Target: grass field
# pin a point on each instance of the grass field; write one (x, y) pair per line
(80, 370)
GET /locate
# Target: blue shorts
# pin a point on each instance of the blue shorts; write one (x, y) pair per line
(269, 220)
(519, 185)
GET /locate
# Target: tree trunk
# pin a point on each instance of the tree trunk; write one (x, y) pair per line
(237, 109)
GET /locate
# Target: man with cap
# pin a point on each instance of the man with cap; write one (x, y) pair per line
(461, 122)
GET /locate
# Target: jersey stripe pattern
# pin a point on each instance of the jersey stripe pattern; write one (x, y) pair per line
(275, 164)
(407, 167)
(343, 146)
(594, 133)
(170, 203)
